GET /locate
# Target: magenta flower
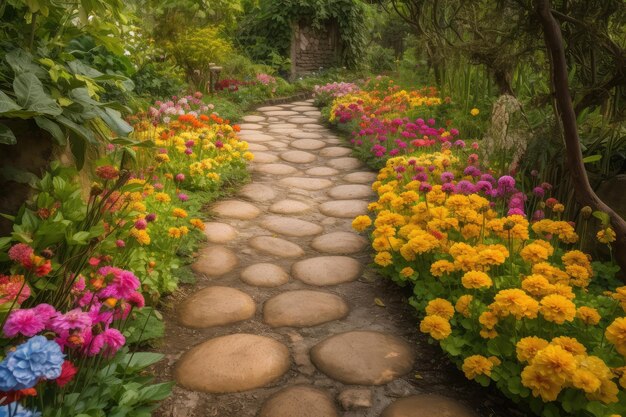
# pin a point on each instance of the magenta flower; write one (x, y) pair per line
(141, 224)
(539, 192)
(120, 243)
(25, 322)
(465, 187)
(180, 177)
(73, 319)
(151, 217)
(183, 197)
(21, 253)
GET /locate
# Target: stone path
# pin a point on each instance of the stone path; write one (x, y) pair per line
(283, 321)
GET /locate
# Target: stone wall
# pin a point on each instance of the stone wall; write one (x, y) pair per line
(312, 49)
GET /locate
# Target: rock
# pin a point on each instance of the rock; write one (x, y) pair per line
(290, 226)
(313, 126)
(219, 232)
(350, 191)
(233, 363)
(289, 207)
(264, 158)
(235, 209)
(363, 357)
(304, 108)
(339, 243)
(298, 157)
(299, 401)
(313, 113)
(307, 144)
(345, 163)
(399, 388)
(250, 126)
(321, 171)
(301, 120)
(257, 147)
(304, 183)
(216, 306)
(264, 275)
(281, 113)
(284, 126)
(306, 135)
(257, 192)
(355, 398)
(277, 247)
(344, 208)
(427, 405)
(326, 270)
(303, 308)
(214, 261)
(276, 169)
(253, 118)
(254, 136)
(269, 108)
(363, 177)
(277, 144)
(335, 151)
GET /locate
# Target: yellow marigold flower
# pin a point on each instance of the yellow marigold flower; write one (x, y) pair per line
(570, 344)
(476, 279)
(162, 197)
(361, 223)
(474, 112)
(383, 259)
(622, 380)
(586, 380)
(462, 305)
(541, 384)
(515, 302)
(197, 223)
(174, 232)
(607, 393)
(179, 213)
(437, 327)
(534, 253)
(476, 365)
(558, 208)
(139, 206)
(579, 275)
(563, 290)
(556, 362)
(528, 347)
(616, 334)
(557, 309)
(488, 319)
(606, 235)
(440, 307)
(575, 257)
(488, 333)
(248, 156)
(438, 268)
(162, 157)
(183, 230)
(537, 285)
(588, 315)
(140, 236)
(407, 272)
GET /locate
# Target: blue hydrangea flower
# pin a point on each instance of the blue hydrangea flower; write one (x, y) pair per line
(37, 358)
(16, 410)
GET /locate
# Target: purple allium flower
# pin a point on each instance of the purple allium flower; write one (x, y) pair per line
(151, 217)
(539, 192)
(506, 183)
(448, 188)
(484, 186)
(465, 187)
(120, 243)
(459, 143)
(188, 151)
(425, 187)
(180, 177)
(538, 215)
(447, 176)
(516, 210)
(141, 224)
(183, 197)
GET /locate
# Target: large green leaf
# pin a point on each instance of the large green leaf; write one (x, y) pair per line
(114, 120)
(52, 128)
(81, 131)
(22, 62)
(32, 96)
(6, 136)
(7, 104)
(78, 147)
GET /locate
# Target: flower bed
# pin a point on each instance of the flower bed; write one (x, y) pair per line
(498, 275)
(78, 271)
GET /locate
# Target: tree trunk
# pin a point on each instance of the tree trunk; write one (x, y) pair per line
(503, 78)
(583, 191)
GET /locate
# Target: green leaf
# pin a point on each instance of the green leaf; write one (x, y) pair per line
(78, 147)
(156, 392)
(32, 96)
(7, 137)
(52, 128)
(603, 217)
(140, 360)
(7, 104)
(79, 238)
(592, 158)
(81, 131)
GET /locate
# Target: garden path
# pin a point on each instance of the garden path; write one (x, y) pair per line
(286, 319)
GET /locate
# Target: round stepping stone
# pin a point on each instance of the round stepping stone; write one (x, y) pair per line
(303, 308)
(235, 209)
(312, 126)
(302, 103)
(214, 261)
(321, 171)
(313, 113)
(277, 144)
(304, 108)
(276, 169)
(253, 118)
(254, 136)
(345, 163)
(289, 207)
(257, 192)
(310, 184)
(305, 135)
(363, 357)
(264, 158)
(284, 131)
(334, 141)
(276, 246)
(291, 227)
(281, 113)
(215, 306)
(326, 270)
(257, 147)
(282, 126)
(301, 120)
(361, 177)
(269, 108)
(299, 401)
(307, 144)
(344, 208)
(233, 363)
(264, 275)
(219, 232)
(427, 405)
(335, 151)
(298, 157)
(350, 191)
(339, 243)
(250, 126)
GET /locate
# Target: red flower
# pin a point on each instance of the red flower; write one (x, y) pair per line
(12, 396)
(107, 172)
(68, 370)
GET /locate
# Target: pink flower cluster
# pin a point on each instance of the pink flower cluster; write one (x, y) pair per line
(162, 111)
(265, 79)
(335, 89)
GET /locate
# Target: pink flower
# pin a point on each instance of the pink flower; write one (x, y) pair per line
(73, 319)
(183, 197)
(21, 253)
(111, 338)
(124, 283)
(94, 261)
(12, 288)
(137, 300)
(45, 312)
(180, 177)
(25, 322)
(141, 224)
(120, 243)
